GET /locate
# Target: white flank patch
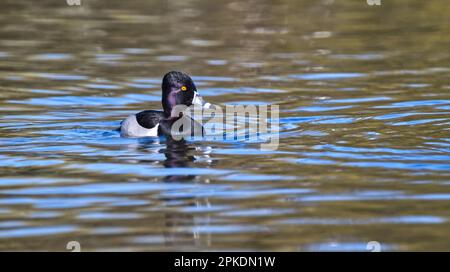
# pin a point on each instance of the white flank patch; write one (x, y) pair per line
(131, 128)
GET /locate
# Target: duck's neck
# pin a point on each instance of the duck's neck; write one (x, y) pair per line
(170, 113)
(168, 102)
(167, 112)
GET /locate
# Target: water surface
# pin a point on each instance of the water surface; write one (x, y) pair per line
(364, 149)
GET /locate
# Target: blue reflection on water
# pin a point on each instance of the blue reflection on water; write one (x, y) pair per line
(327, 76)
(36, 231)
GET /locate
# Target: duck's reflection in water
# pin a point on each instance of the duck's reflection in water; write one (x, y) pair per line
(179, 155)
(179, 220)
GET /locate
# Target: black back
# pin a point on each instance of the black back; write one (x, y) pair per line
(149, 118)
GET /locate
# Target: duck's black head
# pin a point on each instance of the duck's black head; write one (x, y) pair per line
(178, 89)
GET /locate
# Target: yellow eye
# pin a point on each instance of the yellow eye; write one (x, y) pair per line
(184, 88)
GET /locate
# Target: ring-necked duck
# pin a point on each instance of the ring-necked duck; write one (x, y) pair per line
(177, 89)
